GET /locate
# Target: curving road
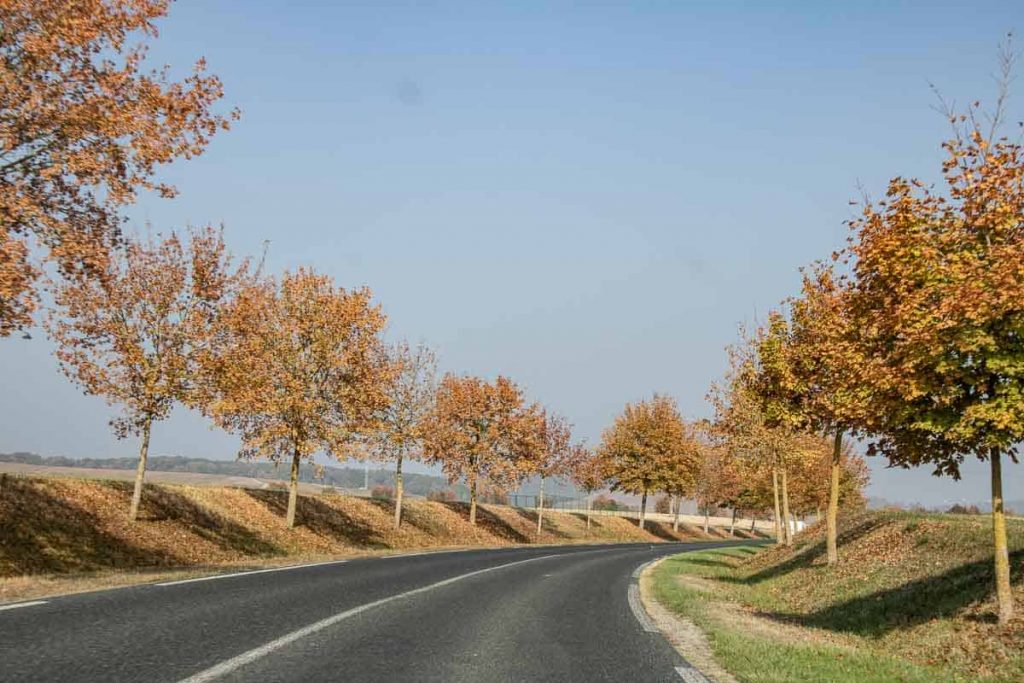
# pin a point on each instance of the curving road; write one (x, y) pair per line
(518, 614)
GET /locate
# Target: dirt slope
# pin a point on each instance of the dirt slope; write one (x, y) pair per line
(62, 527)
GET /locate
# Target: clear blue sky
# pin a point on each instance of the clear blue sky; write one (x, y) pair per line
(587, 197)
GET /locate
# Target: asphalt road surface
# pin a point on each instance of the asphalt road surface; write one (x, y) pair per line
(518, 614)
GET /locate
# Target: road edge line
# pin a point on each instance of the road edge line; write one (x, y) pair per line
(686, 671)
(16, 605)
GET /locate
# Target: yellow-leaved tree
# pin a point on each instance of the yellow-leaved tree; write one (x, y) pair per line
(483, 432)
(640, 446)
(85, 127)
(298, 367)
(397, 436)
(134, 334)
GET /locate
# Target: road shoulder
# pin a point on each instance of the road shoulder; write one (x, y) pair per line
(684, 635)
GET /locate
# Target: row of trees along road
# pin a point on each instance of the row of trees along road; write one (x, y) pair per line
(736, 461)
(912, 336)
(294, 364)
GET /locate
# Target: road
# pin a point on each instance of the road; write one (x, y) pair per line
(516, 614)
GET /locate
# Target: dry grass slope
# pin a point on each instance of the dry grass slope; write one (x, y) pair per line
(56, 528)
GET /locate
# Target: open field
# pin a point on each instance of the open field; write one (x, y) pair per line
(911, 601)
(62, 534)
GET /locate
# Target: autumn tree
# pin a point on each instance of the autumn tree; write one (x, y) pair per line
(299, 367)
(483, 432)
(715, 477)
(639, 446)
(938, 274)
(809, 496)
(554, 460)
(134, 334)
(587, 472)
(828, 364)
(85, 127)
(740, 421)
(410, 399)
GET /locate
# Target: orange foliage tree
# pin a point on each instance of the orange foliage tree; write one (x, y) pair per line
(587, 472)
(410, 400)
(483, 432)
(715, 478)
(298, 367)
(757, 445)
(134, 335)
(939, 277)
(85, 126)
(555, 458)
(640, 446)
(828, 364)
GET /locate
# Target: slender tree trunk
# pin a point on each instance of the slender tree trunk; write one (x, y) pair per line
(643, 508)
(1003, 594)
(399, 490)
(293, 491)
(540, 507)
(778, 511)
(707, 514)
(753, 523)
(590, 506)
(732, 527)
(675, 522)
(831, 522)
(140, 472)
(788, 536)
(472, 501)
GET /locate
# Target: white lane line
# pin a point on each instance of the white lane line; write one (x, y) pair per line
(638, 609)
(23, 604)
(249, 573)
(691, 675)
(241, 660)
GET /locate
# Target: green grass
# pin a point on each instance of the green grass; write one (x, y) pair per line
(911, 601)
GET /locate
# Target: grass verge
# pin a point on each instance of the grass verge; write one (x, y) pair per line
(911, 602)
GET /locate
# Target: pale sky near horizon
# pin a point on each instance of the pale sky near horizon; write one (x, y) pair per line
(587, 197)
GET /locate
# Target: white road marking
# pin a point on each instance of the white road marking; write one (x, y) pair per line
(241, 660)
(638, 609)
(691, 675)
(249, 573)
(23, 604)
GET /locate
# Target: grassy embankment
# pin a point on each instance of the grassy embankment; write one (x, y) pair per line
(912, 600)
(61, 535)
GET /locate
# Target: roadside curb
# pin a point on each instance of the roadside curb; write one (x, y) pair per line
(638, 603)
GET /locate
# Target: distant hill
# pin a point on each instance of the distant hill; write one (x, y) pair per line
(341, 477)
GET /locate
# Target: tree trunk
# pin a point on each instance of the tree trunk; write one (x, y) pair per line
(788, 536)
(778, 512)
(732, 527)
(707, 514)
(399, 490)
(293, 491)
(643, 508)
(540, 507)
(472, 501)
(675, 522)
(590, 506)
(140, 472)
(753, 523)
(1003, 594)
(831, 521)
